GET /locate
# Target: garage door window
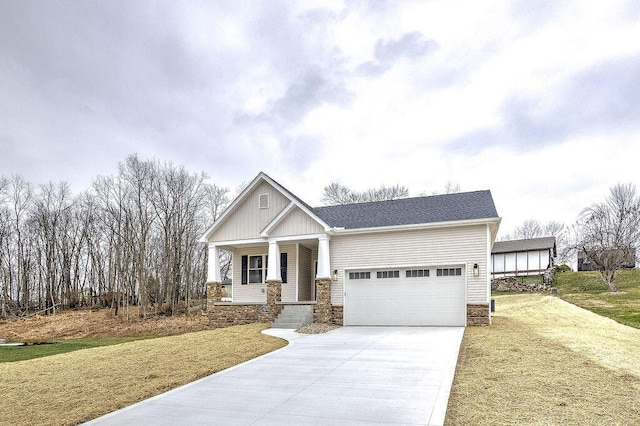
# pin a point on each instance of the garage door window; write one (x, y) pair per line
(417, 273)
(359, 275)
(448, 272)
(388, 274)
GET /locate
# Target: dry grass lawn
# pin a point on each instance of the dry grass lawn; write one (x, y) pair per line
(98, 323)
(547, 362)
(78, 386)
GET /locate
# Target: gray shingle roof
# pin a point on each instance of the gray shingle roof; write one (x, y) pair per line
(410, 211)
(542, 243)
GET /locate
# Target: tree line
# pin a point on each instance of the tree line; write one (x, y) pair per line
(130, 239)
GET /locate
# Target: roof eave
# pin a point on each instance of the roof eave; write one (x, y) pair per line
(434, 225)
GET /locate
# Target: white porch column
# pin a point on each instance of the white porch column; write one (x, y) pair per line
(213, 271)
(323, 258)
(273, 265)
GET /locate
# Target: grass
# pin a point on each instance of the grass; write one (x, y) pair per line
(586, 289)
(77, 386)
(55, 347)
(545, 361)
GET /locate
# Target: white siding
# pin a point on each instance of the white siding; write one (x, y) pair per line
(297, 222)
(248, 220)
(447, 246)
(257, 293)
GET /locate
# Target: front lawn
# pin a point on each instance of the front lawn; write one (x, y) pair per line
(545, 361)
(586, 289)
(78, 386)
(55, 347)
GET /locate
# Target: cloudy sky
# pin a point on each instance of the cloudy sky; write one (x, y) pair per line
(537, 101)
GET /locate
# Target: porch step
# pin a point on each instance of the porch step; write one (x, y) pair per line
(294, 316)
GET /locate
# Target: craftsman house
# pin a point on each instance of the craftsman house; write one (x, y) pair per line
(416, 261)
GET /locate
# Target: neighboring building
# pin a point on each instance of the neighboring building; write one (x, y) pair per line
(413, 261)
(585, 265)
(522, 257)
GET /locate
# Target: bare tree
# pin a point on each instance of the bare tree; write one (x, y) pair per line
(20, 194)
(532, 228)
(609, 232)
(336, 193)
(131, 239)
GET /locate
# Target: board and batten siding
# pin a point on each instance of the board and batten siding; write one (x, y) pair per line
(297, 222)
(465, 245)
(248, 220)
(257, 293)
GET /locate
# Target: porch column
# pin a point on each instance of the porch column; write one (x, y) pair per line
(274, 280)
(322, 311)
(273, 265)
(213, 271)
(214, 283)
(323, 258)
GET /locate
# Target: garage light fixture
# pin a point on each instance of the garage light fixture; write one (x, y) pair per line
(334, 277)
(476, 270)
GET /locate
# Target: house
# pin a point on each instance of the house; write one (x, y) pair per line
(415, 261)
(627, 256)
(531, 256)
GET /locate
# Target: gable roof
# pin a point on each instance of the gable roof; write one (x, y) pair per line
(543, 243)
(262, 177)
(465, 206)
(410, 211)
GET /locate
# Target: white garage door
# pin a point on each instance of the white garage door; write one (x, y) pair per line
(416, 296)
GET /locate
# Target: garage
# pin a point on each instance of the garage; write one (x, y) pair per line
(421, 296)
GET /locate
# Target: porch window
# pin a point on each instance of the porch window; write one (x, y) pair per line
(256, 269)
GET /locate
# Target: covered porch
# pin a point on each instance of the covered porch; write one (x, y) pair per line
(269, 275)
(295, 263)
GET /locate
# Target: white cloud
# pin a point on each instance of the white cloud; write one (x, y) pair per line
(535, 102)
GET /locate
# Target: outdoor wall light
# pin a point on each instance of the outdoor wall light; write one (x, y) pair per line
(476, 270)
(334, 277)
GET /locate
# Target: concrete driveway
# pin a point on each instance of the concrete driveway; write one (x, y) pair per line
(348, 376)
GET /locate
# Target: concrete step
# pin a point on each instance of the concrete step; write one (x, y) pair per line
(294, 316)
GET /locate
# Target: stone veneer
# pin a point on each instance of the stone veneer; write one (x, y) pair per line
(337, 313)
(224, 314)
(322, 310)
(478, 314)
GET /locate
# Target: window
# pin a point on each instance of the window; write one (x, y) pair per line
(388, 274)
(263, 201)
(448, 272)
(256, 269)
(359, 275)
(417, 273)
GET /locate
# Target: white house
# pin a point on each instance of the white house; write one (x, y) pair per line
(413, 261)
(522, 257)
